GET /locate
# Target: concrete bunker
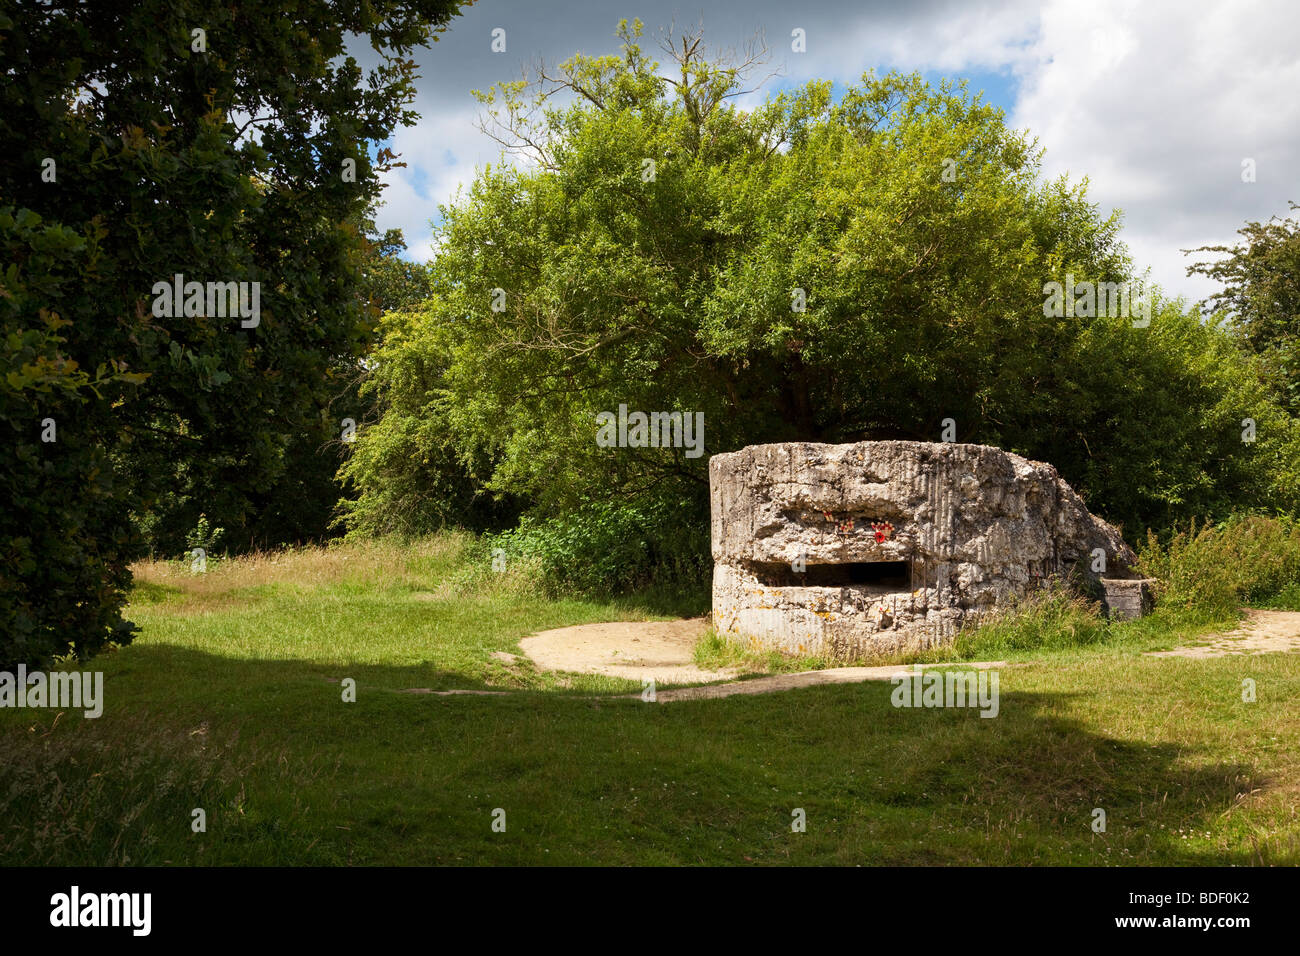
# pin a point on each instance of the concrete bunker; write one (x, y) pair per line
(889, 546)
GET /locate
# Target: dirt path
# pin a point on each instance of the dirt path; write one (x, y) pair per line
(664, 651)
(1262, 632)
(779, 682)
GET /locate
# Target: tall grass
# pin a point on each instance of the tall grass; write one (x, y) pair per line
(1202, 577)
(1253, 560)
(450, 561)
(119, 793)
(1054, 618)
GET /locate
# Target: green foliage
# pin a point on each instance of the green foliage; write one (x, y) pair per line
(1054, 618)
(64, 530)
(674, 292)
(1261, 289)
(205, 536)
(393, 283)
(1252, 559)
(610, 548)
(415, 480)
(224, 164)
(295, 506)
(1148, 423)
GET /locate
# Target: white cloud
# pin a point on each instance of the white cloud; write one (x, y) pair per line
(441, 153)
(1158, 104)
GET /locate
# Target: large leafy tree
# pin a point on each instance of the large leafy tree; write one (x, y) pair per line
(655, 250)
(298, 504)
(140, 139)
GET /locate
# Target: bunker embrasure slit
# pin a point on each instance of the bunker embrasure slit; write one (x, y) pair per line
(884, 577)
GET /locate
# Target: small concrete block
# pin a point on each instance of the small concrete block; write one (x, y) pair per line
(1128, 598)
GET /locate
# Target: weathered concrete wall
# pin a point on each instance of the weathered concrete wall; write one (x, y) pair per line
(793, 523)
(1126, 599)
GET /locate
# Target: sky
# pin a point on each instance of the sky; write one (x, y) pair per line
(1165, 107)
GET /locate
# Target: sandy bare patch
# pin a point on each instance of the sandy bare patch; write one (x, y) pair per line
(662, 651)
(1263, 632)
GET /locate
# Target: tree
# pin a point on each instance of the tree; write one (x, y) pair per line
(298, 504)
(394, 284)
(806, 270)
(1261, 291)
(142, 140)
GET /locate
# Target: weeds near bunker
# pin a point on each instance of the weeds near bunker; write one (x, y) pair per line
(715, 651)
(1253, 560)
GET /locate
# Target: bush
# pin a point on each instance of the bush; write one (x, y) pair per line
(1146, 423)
(1250, 559)
(608, 549)
(404, 473)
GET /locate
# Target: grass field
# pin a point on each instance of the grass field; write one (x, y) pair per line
(230, 700)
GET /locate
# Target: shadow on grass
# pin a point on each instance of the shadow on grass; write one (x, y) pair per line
(302, 777)
(148, 672)
(666, 601)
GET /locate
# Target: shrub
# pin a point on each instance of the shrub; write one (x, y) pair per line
(1249, 559)
(606, 549)
(204, 536)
